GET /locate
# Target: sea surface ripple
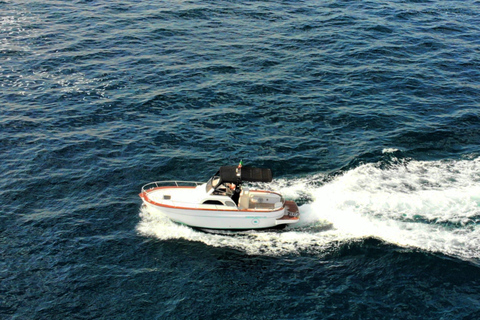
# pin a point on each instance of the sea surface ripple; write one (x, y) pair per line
(366, 111)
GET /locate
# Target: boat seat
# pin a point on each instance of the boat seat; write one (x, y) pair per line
(244, 200)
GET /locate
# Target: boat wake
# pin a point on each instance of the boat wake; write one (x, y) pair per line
(428, 205)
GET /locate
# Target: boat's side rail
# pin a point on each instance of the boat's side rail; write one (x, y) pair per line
(158, 184)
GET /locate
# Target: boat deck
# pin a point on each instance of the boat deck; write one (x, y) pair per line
(174, 196)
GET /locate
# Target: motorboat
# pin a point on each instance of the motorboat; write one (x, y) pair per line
(224, 202)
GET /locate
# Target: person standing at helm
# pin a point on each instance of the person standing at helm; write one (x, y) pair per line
(236, 193)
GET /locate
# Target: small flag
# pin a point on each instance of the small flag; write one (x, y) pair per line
(240, 164)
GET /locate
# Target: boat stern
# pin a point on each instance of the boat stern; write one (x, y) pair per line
(292, 214)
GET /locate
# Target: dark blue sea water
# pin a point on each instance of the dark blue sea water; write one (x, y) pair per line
(366, 111)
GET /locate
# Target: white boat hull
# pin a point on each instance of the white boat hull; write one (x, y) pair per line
(210, 219)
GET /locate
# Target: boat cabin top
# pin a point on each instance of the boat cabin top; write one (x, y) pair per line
(232, 177)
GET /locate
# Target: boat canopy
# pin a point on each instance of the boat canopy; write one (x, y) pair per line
(233, 174)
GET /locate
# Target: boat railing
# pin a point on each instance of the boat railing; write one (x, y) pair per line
(170, 183)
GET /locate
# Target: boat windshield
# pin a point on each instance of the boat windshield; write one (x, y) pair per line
(210, 183)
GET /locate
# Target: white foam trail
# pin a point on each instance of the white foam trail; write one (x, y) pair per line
(430, 205)
(433, 206)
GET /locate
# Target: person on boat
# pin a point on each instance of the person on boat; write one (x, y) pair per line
(236, 192)
(236, 188)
